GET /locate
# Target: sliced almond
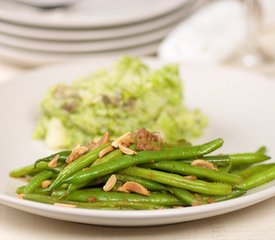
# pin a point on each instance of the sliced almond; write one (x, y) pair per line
(105, 151)
(91, 145)
(126, 139)
(53, 162)
(122, 189)
(126, 150)
(82, 150)
(105, 139)
(190, 177)
(77, 152)
(204, 163)
(46, 183)
(136, 188)
(110, 183)
(73, 155)
(95, 144)
(65, 205)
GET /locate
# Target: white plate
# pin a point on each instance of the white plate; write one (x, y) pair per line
(240, 107)
(86, 13)
(100, 33)
(29, 58)
(87, 46)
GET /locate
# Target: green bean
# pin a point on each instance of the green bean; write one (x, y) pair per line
(239, 159)
(258, 179)
(186, 169)
(181, 194)
(80, 163)
(23, 171)
(235, 159)
(235, 193)
(226, 169)
(33, 169)
(246, 172)
(44, 166)
(179, 181)
(37, 180)
(262, 150)
(61, 193)
(21, 190)
(219, 160)
(63, 155)
(143, 157)
(157, 198)
(184, 195)
(94, 205)
(73, 187)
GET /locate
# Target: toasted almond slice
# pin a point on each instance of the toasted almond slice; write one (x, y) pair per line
(204, 163)
(91, 145)
(65, 205)
(105, 151)
(73, 154)
(77, 152)
(104, 139)
(110, 183)
(125, 138)
(122, 189)
(126, 150)
(46, 183)
(190, 177)
(95, 144)
(53, 162)
(82, 150)
(136, 188)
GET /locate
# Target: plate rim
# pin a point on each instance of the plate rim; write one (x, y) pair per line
(29, 21)
(82, 47)
(27, 58)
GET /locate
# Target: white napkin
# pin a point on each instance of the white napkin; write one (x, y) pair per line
(212, 35)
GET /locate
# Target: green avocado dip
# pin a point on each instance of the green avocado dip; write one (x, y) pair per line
(126, 96)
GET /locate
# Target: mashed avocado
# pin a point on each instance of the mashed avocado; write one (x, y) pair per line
(126, 96)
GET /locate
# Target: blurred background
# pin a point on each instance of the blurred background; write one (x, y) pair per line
(239, 33)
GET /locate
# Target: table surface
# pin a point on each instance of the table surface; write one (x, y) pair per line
(252, 223)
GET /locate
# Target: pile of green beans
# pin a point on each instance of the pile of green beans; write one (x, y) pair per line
(168, 175)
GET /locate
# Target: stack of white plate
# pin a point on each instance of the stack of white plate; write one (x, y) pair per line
(34, 36)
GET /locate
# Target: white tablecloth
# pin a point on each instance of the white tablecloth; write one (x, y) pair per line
(252, 223)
